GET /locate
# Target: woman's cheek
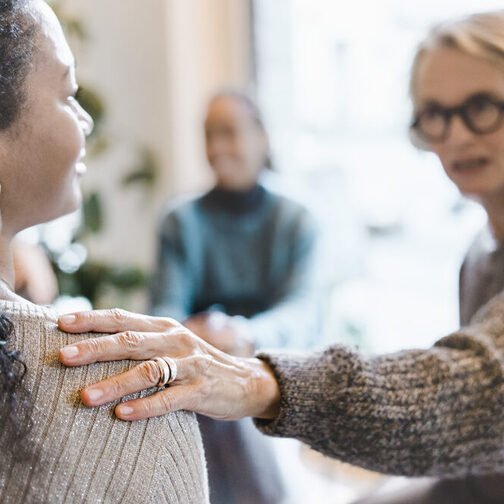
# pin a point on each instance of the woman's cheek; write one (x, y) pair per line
(69, 139)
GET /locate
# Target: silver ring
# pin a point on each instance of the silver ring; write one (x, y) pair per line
(172, 365)
(164, 370)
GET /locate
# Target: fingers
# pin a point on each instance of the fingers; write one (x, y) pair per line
(112, 321)
(127, 345)
(165, 401)
(144, 376)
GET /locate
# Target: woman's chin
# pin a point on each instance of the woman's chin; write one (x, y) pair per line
(478, 187)
(52, 214)
(72, 204)
(81, 169)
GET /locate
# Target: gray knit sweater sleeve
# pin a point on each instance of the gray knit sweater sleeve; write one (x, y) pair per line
(420, 412)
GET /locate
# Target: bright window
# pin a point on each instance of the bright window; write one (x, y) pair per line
(333, 83)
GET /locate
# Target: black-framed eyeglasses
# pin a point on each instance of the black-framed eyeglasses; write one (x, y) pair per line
(481, 113)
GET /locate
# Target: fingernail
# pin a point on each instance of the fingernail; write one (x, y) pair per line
(94, 394)
(70, 351)
(68, 319)
(124, 410)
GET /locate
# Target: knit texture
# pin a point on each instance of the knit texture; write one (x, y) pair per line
(438, 411)
(86, 455)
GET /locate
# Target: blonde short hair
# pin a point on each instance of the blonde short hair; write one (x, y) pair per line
(480, 35)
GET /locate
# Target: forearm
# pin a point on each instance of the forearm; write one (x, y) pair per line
(433, 412)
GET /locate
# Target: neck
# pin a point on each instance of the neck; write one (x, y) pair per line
(494, 207)
(235, 202)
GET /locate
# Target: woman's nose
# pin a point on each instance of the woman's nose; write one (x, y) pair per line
(459, 133)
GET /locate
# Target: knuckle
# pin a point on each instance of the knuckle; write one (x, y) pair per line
(166, 402)
(118, 314)
(147, 408)
(171, 322)
(149, 372)
(115, 386)
(183, 336)
(130, 340)
(93, 345)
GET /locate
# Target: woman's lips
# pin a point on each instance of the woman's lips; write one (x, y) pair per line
(470, 165)
(80, 167)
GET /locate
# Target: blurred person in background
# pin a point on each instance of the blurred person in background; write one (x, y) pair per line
(237, 266)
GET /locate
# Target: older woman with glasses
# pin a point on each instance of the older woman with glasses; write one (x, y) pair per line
(458, 91)
(436, 412)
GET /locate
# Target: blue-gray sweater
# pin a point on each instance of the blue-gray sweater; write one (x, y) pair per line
(248, 254)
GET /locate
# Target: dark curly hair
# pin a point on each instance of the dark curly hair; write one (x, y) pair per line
(17, 41)
(14, 398)
(17, 34)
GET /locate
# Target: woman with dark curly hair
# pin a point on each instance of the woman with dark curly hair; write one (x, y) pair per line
(53, 449)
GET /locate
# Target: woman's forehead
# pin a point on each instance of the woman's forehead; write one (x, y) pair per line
(449, 76)
(229, 108)
(53, 47)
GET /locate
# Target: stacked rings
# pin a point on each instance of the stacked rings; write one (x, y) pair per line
(168, 370)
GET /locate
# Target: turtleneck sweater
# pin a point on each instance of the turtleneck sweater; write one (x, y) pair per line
(86, 455)
(250, 254)
(234, 202)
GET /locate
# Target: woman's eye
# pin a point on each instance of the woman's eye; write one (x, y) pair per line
(481, 104)
(433, 113)
(431, 116)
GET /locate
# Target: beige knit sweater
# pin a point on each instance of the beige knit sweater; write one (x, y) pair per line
(87, 455)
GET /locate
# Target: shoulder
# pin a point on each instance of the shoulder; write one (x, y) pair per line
(54, 391)
(69, 435)
(481, 246)
(291, 214)
(179, 214)
(288, 208)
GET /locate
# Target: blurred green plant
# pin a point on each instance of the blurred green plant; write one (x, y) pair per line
(78, 276)
(93, 278)
(146, 172)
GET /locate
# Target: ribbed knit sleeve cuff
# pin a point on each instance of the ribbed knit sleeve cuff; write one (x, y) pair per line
(304, 382)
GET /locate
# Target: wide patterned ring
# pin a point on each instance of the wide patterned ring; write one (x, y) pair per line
(172, 365)
(164, 371)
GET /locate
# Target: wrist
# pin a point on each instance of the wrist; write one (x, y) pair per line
(266, 391)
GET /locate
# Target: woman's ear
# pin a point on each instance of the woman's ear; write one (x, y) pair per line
(417, 141)
(266, 148)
